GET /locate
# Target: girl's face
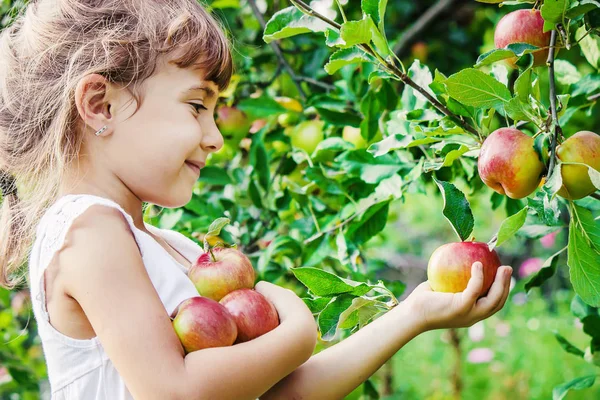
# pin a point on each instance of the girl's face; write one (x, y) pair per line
(175, 123)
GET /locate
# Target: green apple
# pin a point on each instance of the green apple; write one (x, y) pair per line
(307, 135)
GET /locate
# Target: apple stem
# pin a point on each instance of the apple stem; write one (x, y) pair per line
(557, 129)
(212, 255)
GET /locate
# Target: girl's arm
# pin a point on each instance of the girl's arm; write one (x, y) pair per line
(101, 268)
(338, 370)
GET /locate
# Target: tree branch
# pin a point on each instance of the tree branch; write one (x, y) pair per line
(557, 129)
(421, 24)
(277, 51)
(393, 69)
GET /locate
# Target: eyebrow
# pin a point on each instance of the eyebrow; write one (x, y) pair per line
(209, 92)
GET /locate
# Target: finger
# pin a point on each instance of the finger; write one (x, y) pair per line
(506, 292)
(494, 297)
(265, 288)
(475, 285)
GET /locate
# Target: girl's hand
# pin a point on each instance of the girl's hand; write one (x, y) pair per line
(290, 307)
(457, 310)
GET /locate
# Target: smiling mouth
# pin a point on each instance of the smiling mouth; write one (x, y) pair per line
(193, 167)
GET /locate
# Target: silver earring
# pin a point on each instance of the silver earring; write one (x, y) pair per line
(101, 130)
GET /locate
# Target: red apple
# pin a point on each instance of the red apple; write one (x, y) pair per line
(201, 323)
(449, 268)
(232, 122)
(228, 271)
(254, 315)
(583, 147)
(509, 164)
(523, 26)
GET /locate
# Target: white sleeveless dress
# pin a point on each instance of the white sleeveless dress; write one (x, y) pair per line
(80, 369)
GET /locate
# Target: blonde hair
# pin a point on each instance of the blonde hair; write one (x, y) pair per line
(46, 51)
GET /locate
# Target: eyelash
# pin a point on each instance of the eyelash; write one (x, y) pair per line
(198, 106)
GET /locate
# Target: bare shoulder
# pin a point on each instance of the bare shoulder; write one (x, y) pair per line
(104, 273)
(99, 234)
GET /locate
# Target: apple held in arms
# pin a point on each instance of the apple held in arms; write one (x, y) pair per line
(201, 323)
(221, 271)
(254, 315)
(242, 314)
(449, 268)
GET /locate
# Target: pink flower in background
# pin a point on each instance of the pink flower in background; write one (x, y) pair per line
(502, 329)
(480, 355)
(530, 266)
(549, 240)
(477, 332)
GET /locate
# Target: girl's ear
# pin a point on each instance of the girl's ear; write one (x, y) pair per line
(92, 98)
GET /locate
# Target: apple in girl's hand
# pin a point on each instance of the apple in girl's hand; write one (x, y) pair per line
(449, 267)
(221, 271)
(254, 315)
(201, 323)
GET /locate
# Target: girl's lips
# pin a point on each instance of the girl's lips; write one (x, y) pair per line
(193, 167)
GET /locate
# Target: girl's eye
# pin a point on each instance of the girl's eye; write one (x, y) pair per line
(198, 107)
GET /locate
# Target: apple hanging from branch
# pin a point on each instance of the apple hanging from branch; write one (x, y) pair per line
(584, 148)
(523, 26)
(509, 164)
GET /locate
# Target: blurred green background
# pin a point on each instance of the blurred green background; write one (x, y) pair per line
(514, 354)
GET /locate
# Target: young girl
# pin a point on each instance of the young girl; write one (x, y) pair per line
(105, 105)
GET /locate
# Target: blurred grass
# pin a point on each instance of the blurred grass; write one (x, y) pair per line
(528, 362)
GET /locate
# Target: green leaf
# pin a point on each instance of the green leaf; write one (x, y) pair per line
(291, 22)
(553, 13)
(566, 73)
(281, 245)
(344, 57)
(357, 32)
(212, 175)
(591, 325)
(509, 227)
(474, 88)
(375, 9)
(259, 159)
(584, 266)
(320, 282)
(581, 7)
(589, 226)
(368, 168)
(215, 228)
(567, 346)
(330, 316)
(372, 222)
(457, 209)
(590, 46)
(546, 272)
(261, 107)
(582, 382)
(317, 304)
(512, 50)
(360, 312)
(580, 309)
(523, 85)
